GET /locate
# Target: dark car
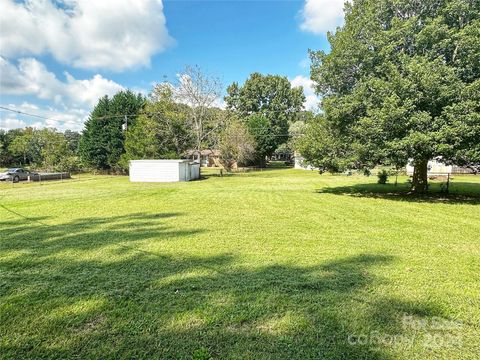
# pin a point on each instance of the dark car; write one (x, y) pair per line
(16, 174)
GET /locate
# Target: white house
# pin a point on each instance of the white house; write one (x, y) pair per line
(436, 167)
(300, 163)
(163, 170)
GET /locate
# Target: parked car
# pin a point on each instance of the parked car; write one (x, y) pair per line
(16, 175)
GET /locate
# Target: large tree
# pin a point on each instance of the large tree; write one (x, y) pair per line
(400, 82)
(103, 138)
(201, 92)
(269, 104)
(236, 144)
(24, 144)
(161, 132)
(73, 138)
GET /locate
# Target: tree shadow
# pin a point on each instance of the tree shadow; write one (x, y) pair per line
(116, 300)
(33, 234)
(460, 193)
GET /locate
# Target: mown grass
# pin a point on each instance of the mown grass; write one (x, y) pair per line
(278, 264)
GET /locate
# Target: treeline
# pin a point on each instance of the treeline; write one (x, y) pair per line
(173, 121)
(45, 149)
(184, 118)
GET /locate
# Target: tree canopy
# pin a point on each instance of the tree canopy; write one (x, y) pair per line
(401, 82)
(103, 138)
(161, 131)
(46, 149)
(269, 104)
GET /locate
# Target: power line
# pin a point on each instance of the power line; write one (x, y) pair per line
(25, 113)
(125, 116)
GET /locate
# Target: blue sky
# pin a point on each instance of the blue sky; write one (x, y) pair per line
(58, 57)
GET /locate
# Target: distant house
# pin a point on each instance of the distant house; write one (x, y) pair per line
(208, 157)
(299, 163)
(436, 167)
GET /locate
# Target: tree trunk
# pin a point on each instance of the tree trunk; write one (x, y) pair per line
(420, 178)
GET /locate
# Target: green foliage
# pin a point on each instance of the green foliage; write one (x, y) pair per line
(45, 149)
(26, 146)
(382, 177)
(201, 354)
(160, 133)
(54, 149)
(321, 148)
(269, 102)
(265, 139)
(102, 142)
(237, 145)
(73, 139)
(400, 83)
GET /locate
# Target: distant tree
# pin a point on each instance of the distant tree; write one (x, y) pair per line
(319, 146)
(22, 145)
(400, 82)
(8, 158)
(266, 140)
(102, 141)
(4, 154)
(161, 132)
(236, 145)
(73, 138)
(47, 149)
(201, 92)
(94, 144)
(54, 149)
(269, 104)
(297, 129)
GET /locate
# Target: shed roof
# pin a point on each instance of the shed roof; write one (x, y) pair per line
(162, 161)
(205, 152)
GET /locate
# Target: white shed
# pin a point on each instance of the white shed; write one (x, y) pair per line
(163, 170)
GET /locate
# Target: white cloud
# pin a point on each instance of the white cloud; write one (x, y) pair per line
(11, 123)
(60, 119)
(320, 16)
(31, 77)
(90, 90)
(72, 99)
(107, 34)
(311, 100)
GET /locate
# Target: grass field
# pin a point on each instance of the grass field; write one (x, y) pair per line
(278, 264)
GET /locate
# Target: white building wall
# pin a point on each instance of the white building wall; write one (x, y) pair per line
(299, 163)
(434, 168)
(194, 171)
(154, 171)
(163, 170)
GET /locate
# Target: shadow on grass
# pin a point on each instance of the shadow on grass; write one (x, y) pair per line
(87, 289)
(460, 193)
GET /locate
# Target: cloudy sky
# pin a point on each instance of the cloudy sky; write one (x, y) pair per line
(57, 57)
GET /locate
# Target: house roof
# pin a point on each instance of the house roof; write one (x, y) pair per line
(160, 161)
(205, 152)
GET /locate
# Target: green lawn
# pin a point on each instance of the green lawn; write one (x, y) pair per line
(278, 264)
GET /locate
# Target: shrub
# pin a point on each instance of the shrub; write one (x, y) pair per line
(382, 177)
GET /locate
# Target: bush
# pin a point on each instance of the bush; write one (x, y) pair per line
(382, 177)
(69, 164)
